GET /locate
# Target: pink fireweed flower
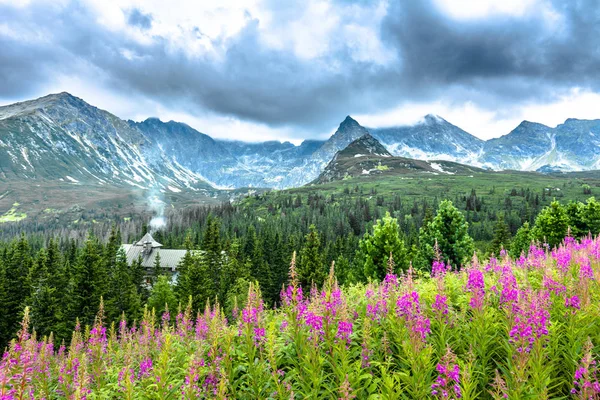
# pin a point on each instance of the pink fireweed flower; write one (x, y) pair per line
(476, 286)
(585, 268)
(291, 295)
(510, 290)
(409, 308)
(585, 382)
(390, 281)
(145, 368)
(440, 304)
(537, 256)
(201, 327)
(530, 320)
(98, 336)
(572, 302)
(492, 265)
(315, 324)
(438, 269)
(283, 326)
(562, 255)
(252, 317)
(553, 287)
(344, 331)
(259, 336)
(447, 384)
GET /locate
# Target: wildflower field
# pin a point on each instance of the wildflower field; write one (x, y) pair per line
(501, 328)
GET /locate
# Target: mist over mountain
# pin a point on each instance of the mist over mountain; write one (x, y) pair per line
(61, 137)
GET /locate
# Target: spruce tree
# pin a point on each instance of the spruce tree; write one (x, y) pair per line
(157, 269)
(90, 280)
(122, 296)
(311, 267)
(375, 248)
(212, 247)
(451, 231)
(521, 241)
(501, 239)
(5, 328)
(18, 283)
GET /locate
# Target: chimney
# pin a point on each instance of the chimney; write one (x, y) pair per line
(147, 248)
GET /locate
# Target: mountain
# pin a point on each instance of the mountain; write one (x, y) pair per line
(365, 146)
(348, 131)
(229, 164)
(366, 156)
(572, 146)
(61, 137)
(431, 138)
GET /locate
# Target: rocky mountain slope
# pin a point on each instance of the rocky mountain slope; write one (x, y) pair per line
(431, 138)
(366, 156)
(572, 146)
(62, 138)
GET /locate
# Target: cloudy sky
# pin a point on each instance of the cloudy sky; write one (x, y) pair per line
(293, 69)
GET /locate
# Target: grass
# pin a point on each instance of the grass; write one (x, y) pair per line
(492, 185)
(12, 215)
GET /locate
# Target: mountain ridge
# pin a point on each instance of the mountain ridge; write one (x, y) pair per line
(109, 147)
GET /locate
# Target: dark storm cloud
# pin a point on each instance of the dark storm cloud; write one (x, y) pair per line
(139, 19)
(498, 62)
(503, 57)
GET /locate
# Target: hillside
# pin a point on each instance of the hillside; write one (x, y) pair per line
(366, 156)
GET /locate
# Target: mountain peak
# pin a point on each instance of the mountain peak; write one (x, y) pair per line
(364, 146)
(348, 122)
(433, 119)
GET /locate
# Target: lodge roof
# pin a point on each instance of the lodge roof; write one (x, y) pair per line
(148, 239)
(169, 258)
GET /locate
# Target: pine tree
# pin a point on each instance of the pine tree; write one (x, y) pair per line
(311, 267)
(122, 296)
(521, 241)
(501, 239)
(451, 231)
(375, 248)
(212, 247)
(5, 328)
(196, 282)
(90, 280)
(18, 283)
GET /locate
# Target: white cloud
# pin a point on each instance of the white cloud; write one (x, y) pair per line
(468, 9)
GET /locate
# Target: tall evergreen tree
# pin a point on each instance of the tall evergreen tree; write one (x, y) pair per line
(18, 287)
(451, 231)
(122, 296)
(501, 239)
(375, 248)
(90, 280)
(521, 241)
(311, 267)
